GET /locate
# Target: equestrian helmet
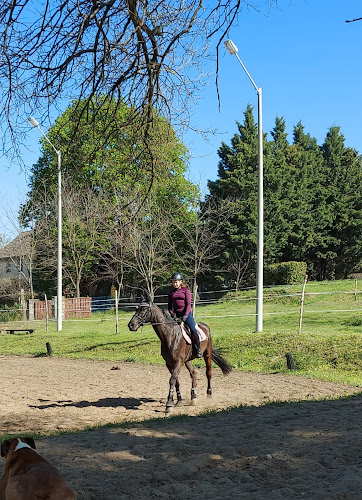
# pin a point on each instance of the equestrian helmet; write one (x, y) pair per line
(176, 277)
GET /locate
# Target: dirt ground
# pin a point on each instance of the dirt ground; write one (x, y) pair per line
(309, 449)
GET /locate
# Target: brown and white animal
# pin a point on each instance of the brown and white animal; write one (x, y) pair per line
(28, 476)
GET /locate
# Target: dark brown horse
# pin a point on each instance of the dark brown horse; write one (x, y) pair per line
(175, 351)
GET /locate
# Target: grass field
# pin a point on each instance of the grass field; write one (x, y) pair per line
(329, 347)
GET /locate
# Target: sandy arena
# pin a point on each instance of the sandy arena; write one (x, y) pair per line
(308, 449)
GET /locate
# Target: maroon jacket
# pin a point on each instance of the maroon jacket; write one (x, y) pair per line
(179, 301)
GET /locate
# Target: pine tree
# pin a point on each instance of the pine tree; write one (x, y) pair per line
(276, 193)
(238, 183)
(304, 161)
(312, 200)
(344, 184)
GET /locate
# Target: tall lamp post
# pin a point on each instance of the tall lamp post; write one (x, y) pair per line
(233, 50)
(34, 123)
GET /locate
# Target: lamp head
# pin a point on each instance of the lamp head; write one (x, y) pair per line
(231, 47)
(33, 122)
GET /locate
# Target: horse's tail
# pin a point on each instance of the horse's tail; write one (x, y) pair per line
(221, 362)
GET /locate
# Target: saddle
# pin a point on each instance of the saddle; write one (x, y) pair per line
(187, 333)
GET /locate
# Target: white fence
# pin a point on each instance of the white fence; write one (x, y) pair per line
(105, 307)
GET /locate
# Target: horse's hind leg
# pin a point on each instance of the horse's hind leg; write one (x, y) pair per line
(192, 372)
(207, 358)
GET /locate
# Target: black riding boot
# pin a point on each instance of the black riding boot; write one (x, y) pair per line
(196, 344)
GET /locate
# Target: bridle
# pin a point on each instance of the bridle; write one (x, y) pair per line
(143, 322)
(140, 318)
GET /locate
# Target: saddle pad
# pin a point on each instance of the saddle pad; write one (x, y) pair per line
(201, 333)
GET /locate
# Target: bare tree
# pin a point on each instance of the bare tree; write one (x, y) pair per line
(238, 265)
(204, 240)
(148, 53)
(82, 233)
(38, 213)
(113, 262)
(81, 230)
(149, 247)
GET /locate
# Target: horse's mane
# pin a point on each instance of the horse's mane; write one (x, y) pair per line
(167, 315)
(168, 318)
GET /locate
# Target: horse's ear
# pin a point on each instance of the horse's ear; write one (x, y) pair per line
(145, 297)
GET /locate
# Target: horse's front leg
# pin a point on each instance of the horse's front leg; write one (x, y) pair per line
(173, 383)
(178, 394)
(192, 372)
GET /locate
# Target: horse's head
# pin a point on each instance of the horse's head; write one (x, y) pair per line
(142, 316)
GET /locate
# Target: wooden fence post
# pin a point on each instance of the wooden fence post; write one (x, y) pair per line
(23, 303)
(116, 306)
(302, 304)
(46, 313)
(194, 296)
(355, 289)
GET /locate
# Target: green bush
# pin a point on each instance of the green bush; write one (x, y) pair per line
(285, 273)
(8, 313)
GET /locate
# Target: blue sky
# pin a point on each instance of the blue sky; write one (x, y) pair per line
(304, 56)
(308, 62)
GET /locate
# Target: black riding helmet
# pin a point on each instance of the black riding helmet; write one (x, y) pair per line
(177, 276)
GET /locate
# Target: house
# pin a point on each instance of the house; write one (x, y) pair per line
(14, 258)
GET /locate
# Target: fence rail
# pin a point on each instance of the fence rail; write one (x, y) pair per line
(40, 309)
(80, 307)
(88, 308)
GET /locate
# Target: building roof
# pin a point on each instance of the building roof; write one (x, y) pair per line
(18, 247)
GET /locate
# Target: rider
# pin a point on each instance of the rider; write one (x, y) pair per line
(179, 306)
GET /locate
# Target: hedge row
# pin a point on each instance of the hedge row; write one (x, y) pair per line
(285, 273)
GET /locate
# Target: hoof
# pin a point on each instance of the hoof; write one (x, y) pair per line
(169, 409)
(179, 403)
(193, 402)
(209, 396)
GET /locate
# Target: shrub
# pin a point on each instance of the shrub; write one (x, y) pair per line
(10, 313)
(285, 273)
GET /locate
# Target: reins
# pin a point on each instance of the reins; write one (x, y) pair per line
(173, 322)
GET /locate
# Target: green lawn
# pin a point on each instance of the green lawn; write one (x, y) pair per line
(328, 348)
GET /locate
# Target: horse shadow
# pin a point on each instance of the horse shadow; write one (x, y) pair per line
(127, 403)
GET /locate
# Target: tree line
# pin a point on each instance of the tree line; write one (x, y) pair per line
(130, 216)
(312, 200)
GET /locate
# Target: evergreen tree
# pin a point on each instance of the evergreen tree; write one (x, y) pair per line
(343, 174)
(305, 166)
(312, 200)
(238, 182)
(277, 197)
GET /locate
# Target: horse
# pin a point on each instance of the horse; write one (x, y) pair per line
(176, 351)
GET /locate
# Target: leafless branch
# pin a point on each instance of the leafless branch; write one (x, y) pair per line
(353, 20)
(147, 53)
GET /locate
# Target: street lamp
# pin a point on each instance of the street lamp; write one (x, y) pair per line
(233, 50)
(34, 123)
